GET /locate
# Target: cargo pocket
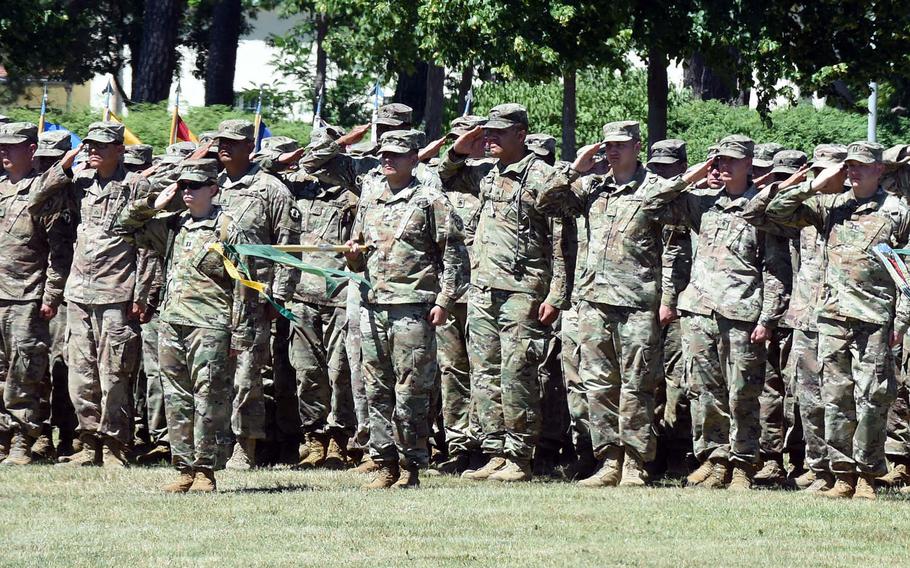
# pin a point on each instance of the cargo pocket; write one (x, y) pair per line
(122, 350)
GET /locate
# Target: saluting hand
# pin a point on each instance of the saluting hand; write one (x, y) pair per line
(585, 160)
(831, 179)
(431, 150)
(796, 177)
(464, 145)
(67, 161)
(289, 158)
(354, 136)
(165, 196)
(699, 172)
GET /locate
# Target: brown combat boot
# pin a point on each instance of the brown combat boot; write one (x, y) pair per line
(182, 483)
(455, 465)
(843, 488)
(897, 477)
(699, 476)
(610, 473)
(720, 475)
(741, 479)
(803, 481)
(772, 472)
(89, 455)
(5, 439)
(633, 471)
(865, 487)
(408, 478)
(335, 455)
(244, 456)
(20, 450)
(113, 454)
(319, 444)
(204, 481)
(495, 464)
(823, 482)
(366, 466)
(513, 471)
(386, 476)
(43, 449)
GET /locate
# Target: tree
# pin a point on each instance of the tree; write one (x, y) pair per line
(157, 57)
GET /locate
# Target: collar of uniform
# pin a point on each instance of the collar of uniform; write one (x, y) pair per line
(872, 203)
(634, 183)
(404, 194)
(728, 202)
(246, 180)
(119, 174)
(517, 169)
(204, 223)
(23, 186)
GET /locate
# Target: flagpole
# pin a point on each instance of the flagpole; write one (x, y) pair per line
(258, 121)
(173, 136)
(317, 120)
(107, 101)
(41, 120)
(376, 96)
(468, 99)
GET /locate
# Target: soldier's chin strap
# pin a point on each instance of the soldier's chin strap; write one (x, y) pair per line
(895, 266)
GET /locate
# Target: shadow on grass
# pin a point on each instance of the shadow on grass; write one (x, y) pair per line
(273, 489)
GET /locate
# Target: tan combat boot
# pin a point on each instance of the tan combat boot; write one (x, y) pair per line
(204, 481)
(896, 477)
(43, 449)
(408, 478)
(701, 474)
(720, 475)
(843, 488)
(495, 464)
(244, 456)
(610, 473)
(5, 439)
(89, 455)
(20, 450)
(455, 465)
(865, 487)
(335, 455)
(318, 444)
(633, 471)
(771, 473)
(182, 483)
(823, 482)
(386, 476)
(366, 466)
(113, 454)
(513, 471)
(741, 479)
(803, 481)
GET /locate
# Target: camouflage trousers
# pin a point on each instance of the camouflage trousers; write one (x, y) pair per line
(156, 421)
(780, 430)
(63, 416)
(399, 370)
(455, 381)
(24, 340)
(803, 366)
(196, 375)
(103, 348)
(858, 386)
(248, 408)
(726, 372)
(575, 396)
(620, 358)
(676, 417)
(555, 427)
(897, 445)
(320, 360)
(506, 347)
(353, 347)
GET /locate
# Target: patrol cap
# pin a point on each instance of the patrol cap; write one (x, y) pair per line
(864, 152)
(53, 144)
(395, 114)
(668, 152)
(506, 116)
(321, 137)
(235, 129)
(137, 155)
(277, 145)
(788, 161)
(896, 153)
(712, 151)
(465, 123)
(735, 146)
(827, 155)
(207, 136)
(182, 149)
(17, 132)
(107, 132)
(763, 154)
(622, 131)
(401, 141)
(203, 170)
(541, 144)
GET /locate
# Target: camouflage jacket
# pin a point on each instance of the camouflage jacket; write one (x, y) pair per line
(677, 263)
(264, 210)
(856, 285)
(737, 272)
(36, 240)
(515, 245)
(419, 254)
(623, 243)
(198, 291)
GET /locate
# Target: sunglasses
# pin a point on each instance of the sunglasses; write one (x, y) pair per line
(194, 185)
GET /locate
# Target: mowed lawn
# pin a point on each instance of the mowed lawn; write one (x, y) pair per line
(96, 517)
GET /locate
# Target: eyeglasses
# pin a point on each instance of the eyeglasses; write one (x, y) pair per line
(194, 185)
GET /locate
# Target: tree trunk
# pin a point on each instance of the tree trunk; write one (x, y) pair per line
(707, 84)
(569, 114)
(432, 114)
(322, 28)
(464, 85)
(158, 54)
(221, 62)
(411, 89)
(658, 90)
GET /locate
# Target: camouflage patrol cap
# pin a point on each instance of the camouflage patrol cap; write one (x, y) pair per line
(395, 114)
(621, 131)
(506, 116)
(864, 152)
(277, 145)
(763, 154)
(18, 132)
(321, 137)
(182, 149)
(788, 161)
(203, 170)
(207, 136)
(465, 123)
(712, 151)
(53, 144)
(668, 152)
(896, 153)
(827, 155)
(235, 129)
(107, 132)
(402, 141)
(735, 146)
(137, 155)
(541, 144)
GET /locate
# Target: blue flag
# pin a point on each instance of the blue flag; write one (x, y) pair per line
(264, 132)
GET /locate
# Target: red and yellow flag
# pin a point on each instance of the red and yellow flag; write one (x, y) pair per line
(180, 132)
(128, 137)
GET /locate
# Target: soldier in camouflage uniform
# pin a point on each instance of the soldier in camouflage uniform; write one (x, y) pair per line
(34, 262)
(264, 210)
(763, 158)
(736, 295)
(137, 157)
(511, 306)
(202, 322)
(860, 313)
(417, 269)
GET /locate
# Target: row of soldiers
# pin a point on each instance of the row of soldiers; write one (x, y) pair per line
(614, 317)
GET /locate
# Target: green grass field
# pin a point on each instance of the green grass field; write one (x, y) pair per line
(96, 517)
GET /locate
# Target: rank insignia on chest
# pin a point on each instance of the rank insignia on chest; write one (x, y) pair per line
(187, 245)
